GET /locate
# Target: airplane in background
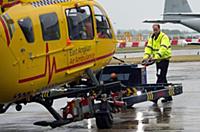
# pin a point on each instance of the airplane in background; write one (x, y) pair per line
(179, 12)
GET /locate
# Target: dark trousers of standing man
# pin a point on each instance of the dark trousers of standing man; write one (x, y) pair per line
(162, 68)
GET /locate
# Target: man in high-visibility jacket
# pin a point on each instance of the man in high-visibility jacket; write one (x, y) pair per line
(159, 49)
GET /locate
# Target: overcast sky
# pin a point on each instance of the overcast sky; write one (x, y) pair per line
(129, 14)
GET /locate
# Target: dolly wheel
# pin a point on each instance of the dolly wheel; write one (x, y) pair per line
(18, 107)
(104, 121)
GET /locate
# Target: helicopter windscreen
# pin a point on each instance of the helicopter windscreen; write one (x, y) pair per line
(80, 23)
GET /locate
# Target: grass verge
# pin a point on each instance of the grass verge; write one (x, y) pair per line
(181, 58)
(141, 49)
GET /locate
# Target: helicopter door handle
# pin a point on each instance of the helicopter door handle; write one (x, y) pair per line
(97, 41)
(22, 50)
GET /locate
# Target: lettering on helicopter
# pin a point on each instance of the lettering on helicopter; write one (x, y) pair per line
(81, 54)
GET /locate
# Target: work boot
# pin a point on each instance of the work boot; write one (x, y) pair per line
(167, 99)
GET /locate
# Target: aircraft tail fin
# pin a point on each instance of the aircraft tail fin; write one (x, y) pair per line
(175, 11)
(176, 6)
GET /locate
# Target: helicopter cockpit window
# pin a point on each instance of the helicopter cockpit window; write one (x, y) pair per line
(103, 27)
(27, 29)
(50, 26)
(80, 23)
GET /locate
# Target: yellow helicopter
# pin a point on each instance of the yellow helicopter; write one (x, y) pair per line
(48, 43)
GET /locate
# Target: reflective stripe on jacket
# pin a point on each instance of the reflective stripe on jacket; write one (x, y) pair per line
(158, 48)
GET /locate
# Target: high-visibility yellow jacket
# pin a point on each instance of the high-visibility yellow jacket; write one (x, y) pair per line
(158, 48)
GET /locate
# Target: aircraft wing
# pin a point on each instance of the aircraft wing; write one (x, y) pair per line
(182, 14)
(162, 21)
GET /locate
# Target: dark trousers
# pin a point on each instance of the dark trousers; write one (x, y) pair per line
(162, 68)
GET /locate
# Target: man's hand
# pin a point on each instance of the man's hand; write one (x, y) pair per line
(149, 61)
(144, 61)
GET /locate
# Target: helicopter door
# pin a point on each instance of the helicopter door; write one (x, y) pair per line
(41, 56)
(105, 42)
(28, 46)
(81, 35)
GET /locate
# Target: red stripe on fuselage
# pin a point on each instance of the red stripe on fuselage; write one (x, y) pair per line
(53, 67)
(6, 31)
